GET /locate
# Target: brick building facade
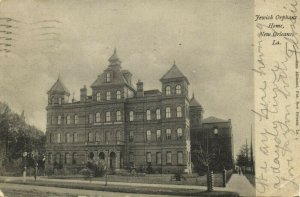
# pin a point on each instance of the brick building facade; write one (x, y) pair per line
(121, 125)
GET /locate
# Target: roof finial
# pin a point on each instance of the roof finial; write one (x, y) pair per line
(193, 94)
(58, 76)
(115, 50)
(174, 63)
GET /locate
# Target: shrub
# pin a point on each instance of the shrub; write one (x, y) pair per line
(86, 172)
(149, 169)
(178, 175)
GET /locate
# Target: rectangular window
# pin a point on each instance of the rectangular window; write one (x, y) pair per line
(68, 119)
(168, 112)
(107, 116)
(131, 116)
(149, 157)
(131, 136)
(158, 158)
(98, 136)
(75, 137)
(91, 118)
(179, 158)
(98, 117)
(59, 120)
(118, 136)
(158, 116)
(59, 101)
(158, 135)
(168, 134)
(107, 137)
(148, 114)
(148, 137)
(169, 158)
(67, 158)
(108, 96)
(74, 158)
(58, 138)
(68, 138)
(53, 120)
(118, 115)
(108, 77)
(179, 112)
(76, 119)
(179, 133)
(90, 137)
(98, 96)
(118, 95)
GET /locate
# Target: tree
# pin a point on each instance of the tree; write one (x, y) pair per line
(242, 157)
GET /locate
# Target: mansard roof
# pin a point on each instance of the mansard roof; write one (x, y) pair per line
(213, 119)
(174, 73)
(59, 87)
(118, 76)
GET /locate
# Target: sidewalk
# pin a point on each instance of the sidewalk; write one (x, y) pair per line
(241, 185)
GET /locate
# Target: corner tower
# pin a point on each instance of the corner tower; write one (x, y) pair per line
(58, 93)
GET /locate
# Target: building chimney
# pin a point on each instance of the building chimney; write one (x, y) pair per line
(140, 89)
(83, 92)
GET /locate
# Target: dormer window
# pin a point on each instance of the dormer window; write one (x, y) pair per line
(168, 90)
(108, 77)
(59, 101)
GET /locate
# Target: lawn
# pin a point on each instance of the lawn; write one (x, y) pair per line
(155, 179)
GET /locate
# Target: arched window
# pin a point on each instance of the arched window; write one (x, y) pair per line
(179, 133)
(59, 119)
(98, 96)
(98, 117)
(74, 158)
(98, 136)
(108, 96)
(158, 116)
(179, 112)
(118, 94)
(75, 137)
(118, 115)
(158, 135)
(91, 118)
(131, 116)
(131, 136)
(178, 89)
(148, 115)
(118, 137)
(168, 134)
(149, 157)
(76, 119)
(169, 158)
(68, 119)
(179, 158)
(68, 138)
(58, 139)
(59, 101)
(107, 116)
(168, 112)
(90, 137)
(148, 137)
(168, 90)
(53, 100)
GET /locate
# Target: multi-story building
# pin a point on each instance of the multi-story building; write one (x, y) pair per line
(121, 125)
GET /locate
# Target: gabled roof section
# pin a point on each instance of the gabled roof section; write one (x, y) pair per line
(174, 73)
(59, 87)
(213, 119)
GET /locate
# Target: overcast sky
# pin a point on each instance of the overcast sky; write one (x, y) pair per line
(211, 42)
